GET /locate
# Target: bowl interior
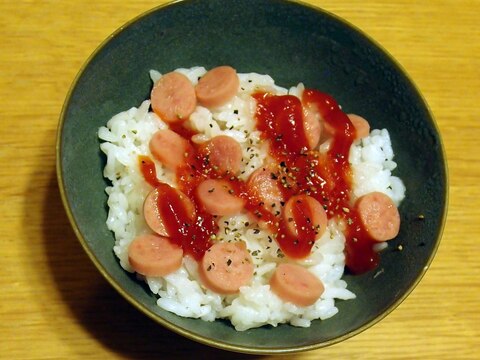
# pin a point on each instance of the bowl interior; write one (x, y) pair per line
(293, 43)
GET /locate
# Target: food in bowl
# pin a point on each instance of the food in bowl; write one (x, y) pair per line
(235, 198)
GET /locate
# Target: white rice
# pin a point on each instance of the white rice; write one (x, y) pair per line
(126, 136)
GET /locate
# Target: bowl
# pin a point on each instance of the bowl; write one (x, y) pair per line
(293, 42)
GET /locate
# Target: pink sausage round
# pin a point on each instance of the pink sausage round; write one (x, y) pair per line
(226, 267)
(318, 219)
(173, 97)
(218, 198)
(362, 127)
(312, 125)
(217, 87)
(379, 216)
(293, 283)
(152, 214)
(224, 154)
(153, 255)
(264, 188)
(169, 148)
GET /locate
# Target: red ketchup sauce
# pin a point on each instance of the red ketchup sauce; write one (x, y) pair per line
(192, 236)
(147, 167)
(325, 177)
(297, 247)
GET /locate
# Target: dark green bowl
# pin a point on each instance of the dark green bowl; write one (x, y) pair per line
(293, 43)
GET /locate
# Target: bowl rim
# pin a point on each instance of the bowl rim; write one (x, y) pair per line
(187, 333)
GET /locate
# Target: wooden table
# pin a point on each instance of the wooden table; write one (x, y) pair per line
(54, 303)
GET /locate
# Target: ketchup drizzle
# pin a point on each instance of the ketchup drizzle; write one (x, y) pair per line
(301, 245)
(280, 117)
(192, 235)
(147, 167)
(326, 177)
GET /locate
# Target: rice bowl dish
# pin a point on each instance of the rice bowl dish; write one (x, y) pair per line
(126, 137)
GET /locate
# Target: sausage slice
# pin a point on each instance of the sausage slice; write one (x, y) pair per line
(293, 283)
(169, 148)
(379, 216)
(226, 267)
(312, 125)
(153, 255)
(173, 97)
(302, 210)
(264, 188)
(217, 87)
(224, 154)
(362, 127)
(153, 215)
(218, 198)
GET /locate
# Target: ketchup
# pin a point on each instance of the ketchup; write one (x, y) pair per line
(301, 245)
(279, 121)
(147, 167)
(193, 235)
(326, 177)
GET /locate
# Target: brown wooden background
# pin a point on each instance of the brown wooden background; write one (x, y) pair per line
(53, 302)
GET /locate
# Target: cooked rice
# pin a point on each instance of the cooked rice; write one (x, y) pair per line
(126, 136)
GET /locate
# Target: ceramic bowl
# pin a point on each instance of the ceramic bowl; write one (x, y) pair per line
(292, 42)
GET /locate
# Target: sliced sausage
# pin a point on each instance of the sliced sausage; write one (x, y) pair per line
(226, 267)
(217, 197)
(362, 127)
(153, 214)
(173, 97)
(293, 283)
(263, 188)
(169, 148)
(317, 130)
(312, 125)
(304, 215)
(379, 216)
(153, 255)
(217, 87)
(328, 130)
(224, 154)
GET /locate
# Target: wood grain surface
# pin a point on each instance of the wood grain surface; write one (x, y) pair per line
(53, 302)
